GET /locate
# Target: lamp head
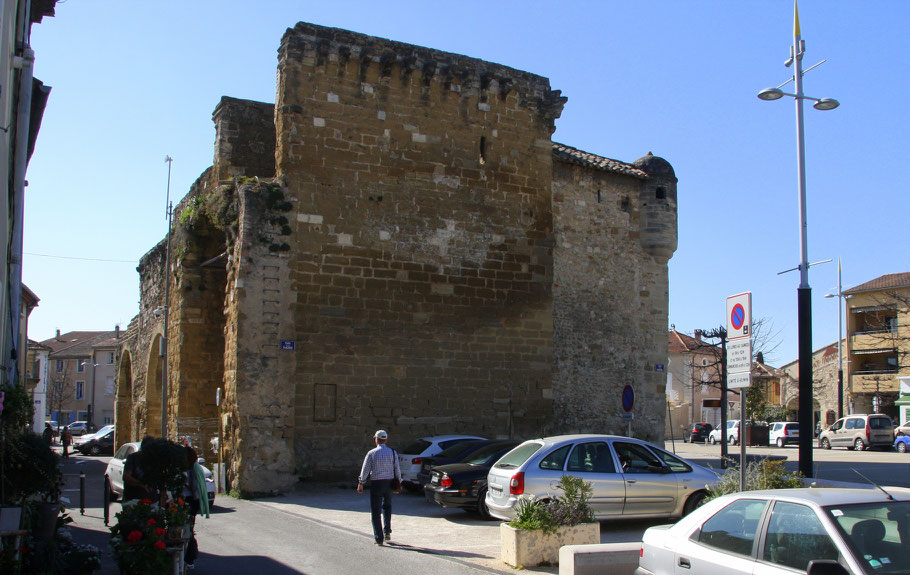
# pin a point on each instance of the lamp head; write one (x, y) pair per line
(825, 104)
(769, 94)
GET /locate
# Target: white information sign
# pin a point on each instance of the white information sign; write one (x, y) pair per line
(739, 340)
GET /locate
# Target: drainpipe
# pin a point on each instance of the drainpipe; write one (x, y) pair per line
(24, 63)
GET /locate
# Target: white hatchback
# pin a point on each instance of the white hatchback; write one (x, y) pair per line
(781, 433)
(410, 458)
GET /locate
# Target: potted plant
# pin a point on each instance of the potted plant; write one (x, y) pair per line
(77, 559)
(138, 539)
(540, 528)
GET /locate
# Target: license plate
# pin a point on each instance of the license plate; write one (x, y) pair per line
(495, 488)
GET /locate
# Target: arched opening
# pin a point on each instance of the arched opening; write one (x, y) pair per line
(153, 389)
(123, 408)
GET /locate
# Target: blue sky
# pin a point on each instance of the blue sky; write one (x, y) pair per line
(135, 81)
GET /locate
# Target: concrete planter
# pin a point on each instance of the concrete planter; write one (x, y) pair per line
(524, 548)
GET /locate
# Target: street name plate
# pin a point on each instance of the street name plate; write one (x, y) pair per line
(738, 380)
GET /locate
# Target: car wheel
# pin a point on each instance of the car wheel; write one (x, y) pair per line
(482, 504)
(731, 440)
(694, 501)
(110, 489)
(94, 450)
(713, 440)
(780, 441)
(825, 443)
(902, 447)
(859, 445)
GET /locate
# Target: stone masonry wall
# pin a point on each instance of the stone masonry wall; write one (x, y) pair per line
(244, 139)
(422, 257)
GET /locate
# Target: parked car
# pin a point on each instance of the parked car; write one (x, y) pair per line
(902, 430)
(786, 531)
(781, 433)
(411, 457)
(454, 454)
(699, 432)
(113, 475)
(902, 443)
(77, 428)
(859, 431)
(100, 442)
(463, 485)
(732, 433)
(630, 478)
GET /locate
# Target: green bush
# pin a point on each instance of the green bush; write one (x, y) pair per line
(571, 508)
(764, 474)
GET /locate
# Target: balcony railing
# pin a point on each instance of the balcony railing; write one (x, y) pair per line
(875, 370)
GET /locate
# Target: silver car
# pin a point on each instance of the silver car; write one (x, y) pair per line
(113, 474)
(786, 531)
(630, 478)
(859, 431)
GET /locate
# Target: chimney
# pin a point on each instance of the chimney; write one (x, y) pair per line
(58, 335)
(698, 335)
(117, 331)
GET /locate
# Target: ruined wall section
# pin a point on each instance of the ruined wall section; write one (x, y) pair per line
(244, 139)
(610, 301)
(422, 257)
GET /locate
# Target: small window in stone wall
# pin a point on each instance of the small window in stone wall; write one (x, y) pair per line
(624, 206)
(324, 402)
(661, 193)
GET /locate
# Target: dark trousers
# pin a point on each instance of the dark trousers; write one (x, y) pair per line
(381, 500)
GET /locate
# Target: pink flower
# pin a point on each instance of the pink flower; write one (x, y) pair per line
(134, 536)
(151, 522)
(159, 531)
(159, 545)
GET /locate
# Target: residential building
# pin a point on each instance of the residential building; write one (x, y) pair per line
(36, 380)
(824, 388)
(82, 367)
(878, 339)
(693, 367)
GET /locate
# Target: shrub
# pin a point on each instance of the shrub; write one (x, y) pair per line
(764, 474)
(571, 508)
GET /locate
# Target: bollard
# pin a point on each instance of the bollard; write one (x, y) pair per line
(107, 502)
(82, 493)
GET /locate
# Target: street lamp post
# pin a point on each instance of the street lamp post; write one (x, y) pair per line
(167, 286)
(804, 292)
(841, 302)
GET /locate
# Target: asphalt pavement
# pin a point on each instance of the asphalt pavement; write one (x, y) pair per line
(325, 529)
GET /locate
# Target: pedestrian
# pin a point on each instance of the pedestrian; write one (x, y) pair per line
(48, 433)
(196, 495)
(66, 438)
(133, 485)
(380, 468)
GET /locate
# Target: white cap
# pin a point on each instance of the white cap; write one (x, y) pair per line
(381, 434)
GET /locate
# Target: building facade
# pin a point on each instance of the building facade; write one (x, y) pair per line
(398, 243)
(691, 397)
(877, 344)
(80, 377)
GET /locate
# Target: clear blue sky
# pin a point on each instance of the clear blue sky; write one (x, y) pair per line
(135, 81)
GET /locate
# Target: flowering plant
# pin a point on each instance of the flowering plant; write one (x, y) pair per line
(138, 539)
(77, 558)
(176, 513)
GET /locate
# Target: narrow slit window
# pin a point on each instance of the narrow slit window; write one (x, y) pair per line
(661, 193)
(483, 150)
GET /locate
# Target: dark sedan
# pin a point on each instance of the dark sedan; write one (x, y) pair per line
(698, 432)
(97, 443)
(455, 454)
(464, 485)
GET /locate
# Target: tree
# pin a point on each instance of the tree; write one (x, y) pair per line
(61, 390)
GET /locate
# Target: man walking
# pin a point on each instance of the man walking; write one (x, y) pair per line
(380, 467)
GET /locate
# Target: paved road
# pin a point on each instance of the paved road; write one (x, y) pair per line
(323, 529)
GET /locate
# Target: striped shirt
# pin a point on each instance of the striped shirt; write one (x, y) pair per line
(380, 463)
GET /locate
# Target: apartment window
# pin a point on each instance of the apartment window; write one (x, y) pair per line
(80, 389)
(80, 366)
(58, 366)
(109, 386)
(110, 358)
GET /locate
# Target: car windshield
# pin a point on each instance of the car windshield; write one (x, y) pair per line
(416, 447)
(484, 453)
(879, 534)
(517, 456)
(455, 450)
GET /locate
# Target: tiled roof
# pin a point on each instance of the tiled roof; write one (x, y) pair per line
(571, 155)
(681, 343)
(888, 281)
(78, 343)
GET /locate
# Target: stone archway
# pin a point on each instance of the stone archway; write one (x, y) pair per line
(153, 389)
(124, 423)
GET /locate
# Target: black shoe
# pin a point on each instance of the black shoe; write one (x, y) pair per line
(388, 535)
(379, 542)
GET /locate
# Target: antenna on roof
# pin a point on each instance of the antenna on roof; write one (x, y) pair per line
(890, 498)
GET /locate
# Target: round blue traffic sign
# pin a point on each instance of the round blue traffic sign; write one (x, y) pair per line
(628, 398)
(738, 316)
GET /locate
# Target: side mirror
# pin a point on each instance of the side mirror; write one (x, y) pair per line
(826, 567)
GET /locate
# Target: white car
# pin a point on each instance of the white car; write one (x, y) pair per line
(781, 433)
(88, 437)
(630, 478)
(732, 433)
(113, 475)
(822, 531)
(410, 458)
